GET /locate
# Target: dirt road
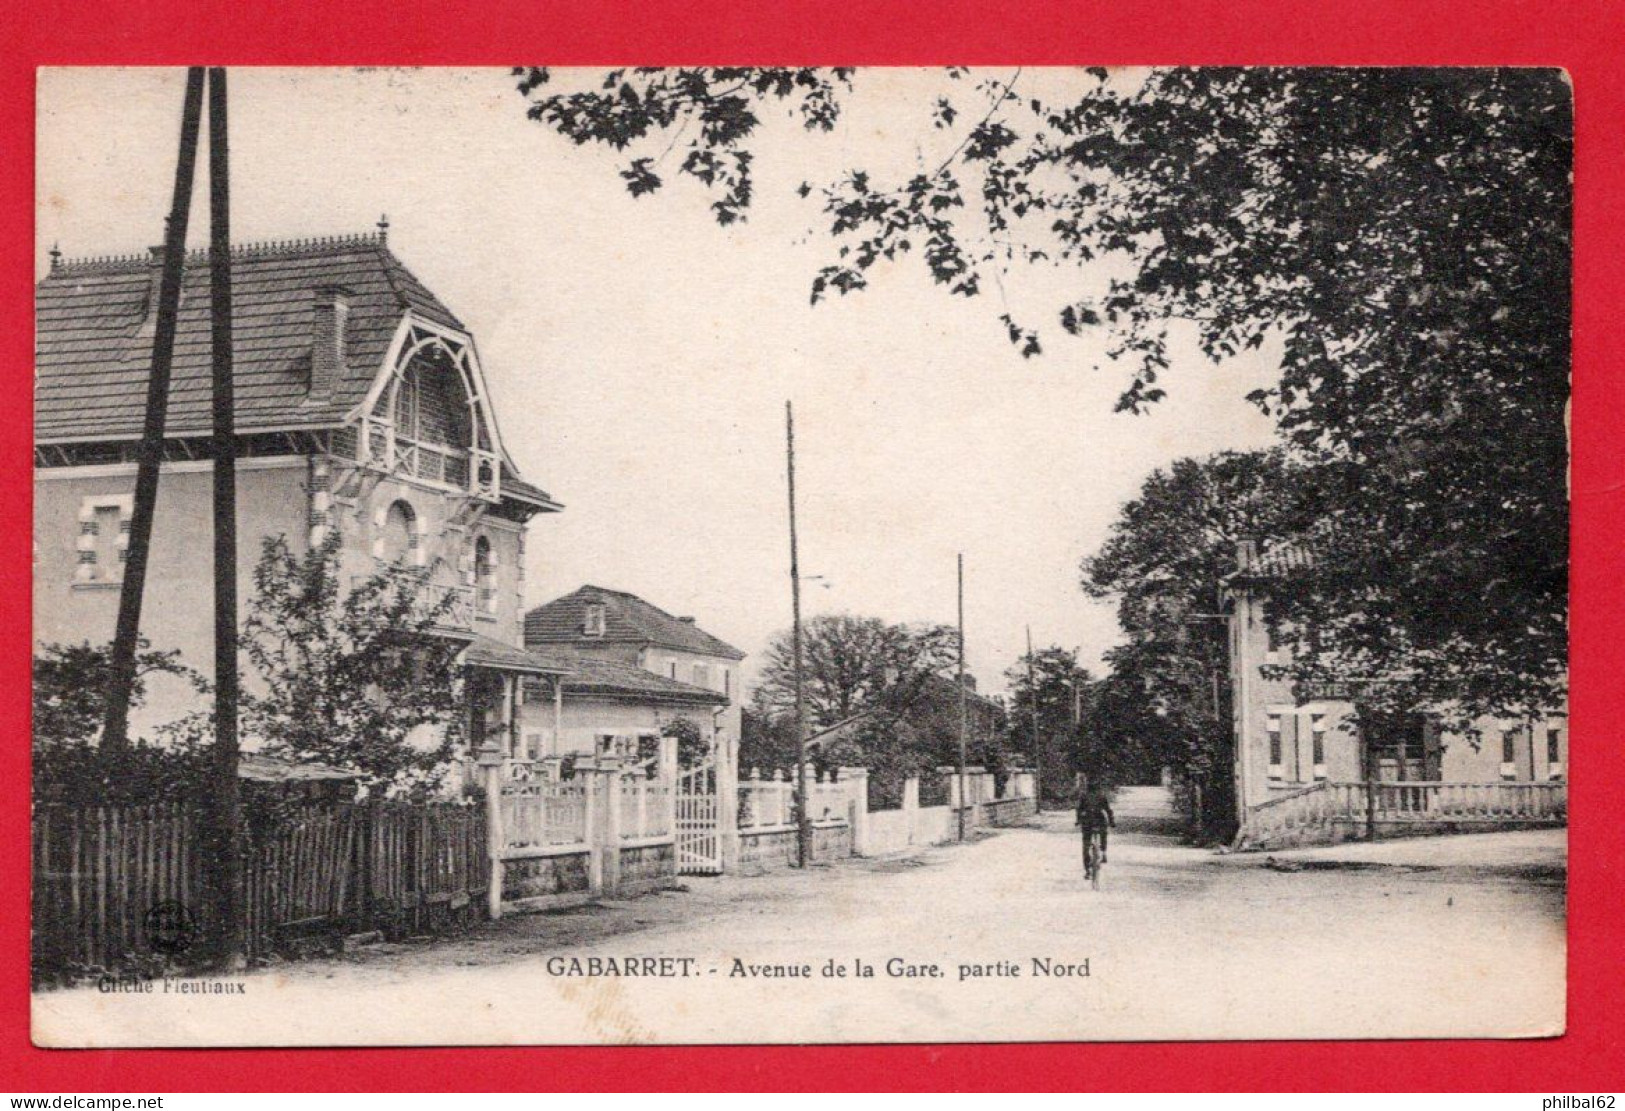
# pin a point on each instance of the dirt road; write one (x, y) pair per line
(997, 939)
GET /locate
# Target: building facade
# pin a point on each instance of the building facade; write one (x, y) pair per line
(361, 411)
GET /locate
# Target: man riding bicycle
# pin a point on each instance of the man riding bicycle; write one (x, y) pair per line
(1095, 814)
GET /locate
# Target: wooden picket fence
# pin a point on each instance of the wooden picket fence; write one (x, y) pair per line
(100, 873)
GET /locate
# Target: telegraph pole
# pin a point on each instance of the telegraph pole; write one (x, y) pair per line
(1038, 740)
(116, 721)
(803, 818)
(961, 676)
(225, 859)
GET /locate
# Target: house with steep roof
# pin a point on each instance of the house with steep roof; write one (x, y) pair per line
(362, 409)
(1304, 771)
(596, 624)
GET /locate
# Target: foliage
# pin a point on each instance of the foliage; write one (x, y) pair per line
(891, 682)
(71, 682)
(351, 677)
(1403, 235)
(766, 741)
(77, 773)
(1165, 562)
(714, 110)
(692, 747)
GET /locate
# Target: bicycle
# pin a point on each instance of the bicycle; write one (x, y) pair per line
(1092, 859)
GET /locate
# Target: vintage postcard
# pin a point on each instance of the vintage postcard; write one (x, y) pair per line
(739, 555)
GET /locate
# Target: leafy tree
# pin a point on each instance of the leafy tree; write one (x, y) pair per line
(892, 673)
(352, 677)
(1165, 562)
(852, 664)
(1403, 235)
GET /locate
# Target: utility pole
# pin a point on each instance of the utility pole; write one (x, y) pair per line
(803, 818)
(961, 675)
(116, 722)
(225, 859)
(1038, 740)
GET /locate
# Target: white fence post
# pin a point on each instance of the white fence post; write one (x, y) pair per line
(591, 783)
(727, 773)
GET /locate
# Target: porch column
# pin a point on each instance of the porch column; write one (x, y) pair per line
(505, 715)
(558, 715)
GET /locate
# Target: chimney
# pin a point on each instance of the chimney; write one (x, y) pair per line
(328, 318)
(1246, 554)
(686, 620)
(970, 681)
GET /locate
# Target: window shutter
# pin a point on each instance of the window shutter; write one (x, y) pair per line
(1291, 757)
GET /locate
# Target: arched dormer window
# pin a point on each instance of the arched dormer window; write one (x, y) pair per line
(427, 418)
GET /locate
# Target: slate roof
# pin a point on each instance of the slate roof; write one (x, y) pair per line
(93, 353)
(628, 619)
(589, 675)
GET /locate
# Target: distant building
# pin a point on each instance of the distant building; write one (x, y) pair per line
(1285, 747)
(604, 707)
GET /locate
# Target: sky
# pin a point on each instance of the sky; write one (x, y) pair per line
(640, 357)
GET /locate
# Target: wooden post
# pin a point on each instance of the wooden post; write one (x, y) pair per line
(225, 812)
(803, 820)
(116, 722)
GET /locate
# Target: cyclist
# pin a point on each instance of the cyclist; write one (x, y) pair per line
(1095, 814)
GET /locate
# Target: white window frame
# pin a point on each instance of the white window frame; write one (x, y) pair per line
(1273, 716)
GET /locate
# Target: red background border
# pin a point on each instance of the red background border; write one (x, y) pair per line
(1583, 37)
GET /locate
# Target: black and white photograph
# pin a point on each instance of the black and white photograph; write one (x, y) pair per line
(706, 555)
